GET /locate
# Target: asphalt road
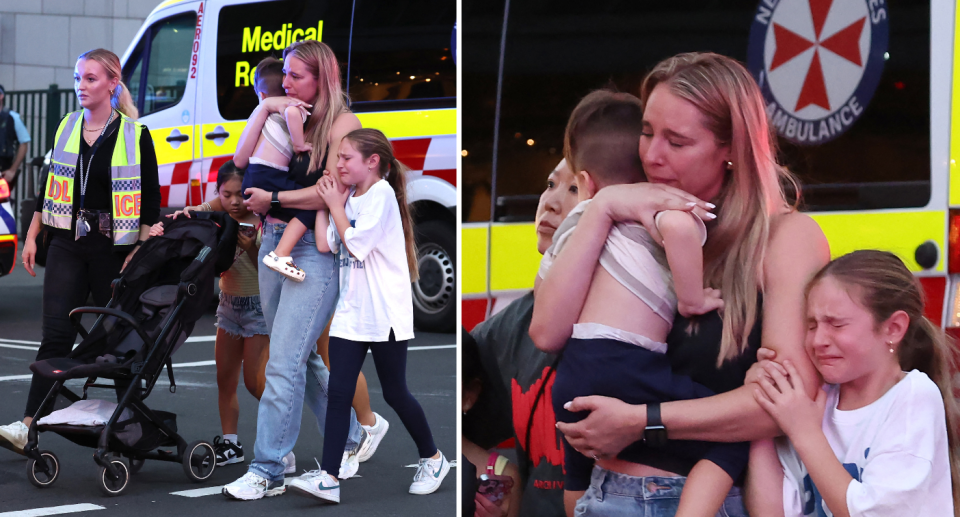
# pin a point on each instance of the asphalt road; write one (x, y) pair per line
(162, 489)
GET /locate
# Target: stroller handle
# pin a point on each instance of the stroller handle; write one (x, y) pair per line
(77, 313)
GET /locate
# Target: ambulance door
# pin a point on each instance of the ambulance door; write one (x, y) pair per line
(236, 35)
(163, 85)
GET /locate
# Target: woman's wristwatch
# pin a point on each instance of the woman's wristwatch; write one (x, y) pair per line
(655, 434)
(275, 200)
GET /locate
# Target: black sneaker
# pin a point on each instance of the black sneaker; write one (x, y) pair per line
(227, 451)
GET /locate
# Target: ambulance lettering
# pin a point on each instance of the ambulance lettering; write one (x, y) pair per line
(258, 39)
(818, 63)
(196, 43)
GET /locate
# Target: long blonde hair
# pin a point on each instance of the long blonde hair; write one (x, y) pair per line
(121, 99)
(733, 110)
(369, 142)
(886, 286)
(331, 100)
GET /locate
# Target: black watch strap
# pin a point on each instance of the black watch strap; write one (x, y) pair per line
(275, 200)
(655, 434)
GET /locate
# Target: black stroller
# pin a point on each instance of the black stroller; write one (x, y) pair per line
(155, 304)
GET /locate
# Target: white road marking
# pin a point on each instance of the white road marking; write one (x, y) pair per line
(53, 510)
(19, 347)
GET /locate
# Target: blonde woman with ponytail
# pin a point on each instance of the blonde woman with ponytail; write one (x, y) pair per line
(372, 230)
(95, 225)
(705, 145)
(881, 438)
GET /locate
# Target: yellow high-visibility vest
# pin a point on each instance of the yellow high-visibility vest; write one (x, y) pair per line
(124, 174)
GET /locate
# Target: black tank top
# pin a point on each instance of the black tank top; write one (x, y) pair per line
(695, 354)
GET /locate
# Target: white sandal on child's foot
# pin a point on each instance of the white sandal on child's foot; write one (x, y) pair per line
(284, 266)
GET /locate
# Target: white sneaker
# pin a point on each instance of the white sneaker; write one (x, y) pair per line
(319, 484)
(429, 475)
(349, 465)
(253, 486)
(376, 433)
(289, 464)
(15, 435)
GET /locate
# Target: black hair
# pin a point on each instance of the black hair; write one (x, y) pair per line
(227, 172)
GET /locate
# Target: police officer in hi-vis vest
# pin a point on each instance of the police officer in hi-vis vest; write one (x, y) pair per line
(98, 202)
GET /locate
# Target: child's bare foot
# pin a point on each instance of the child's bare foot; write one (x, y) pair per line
(285, 266)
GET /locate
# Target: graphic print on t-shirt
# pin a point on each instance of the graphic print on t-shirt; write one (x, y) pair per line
(545, 444)
(813, 501)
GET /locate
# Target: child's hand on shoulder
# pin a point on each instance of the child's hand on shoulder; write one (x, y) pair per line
(711, 301)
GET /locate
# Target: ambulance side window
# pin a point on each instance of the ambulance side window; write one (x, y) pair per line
(403, 51)
(158, 68)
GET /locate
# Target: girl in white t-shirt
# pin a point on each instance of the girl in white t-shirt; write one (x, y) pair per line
(880, 438)
(372, 231)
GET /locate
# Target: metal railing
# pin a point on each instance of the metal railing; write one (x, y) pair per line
(41, 111)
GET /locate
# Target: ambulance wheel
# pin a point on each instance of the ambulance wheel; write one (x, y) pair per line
(37, 476)
(435, 294)
(199, 461)
(111, 486)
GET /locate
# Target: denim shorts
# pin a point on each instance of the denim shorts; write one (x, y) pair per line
(613, 494)
(241, 315)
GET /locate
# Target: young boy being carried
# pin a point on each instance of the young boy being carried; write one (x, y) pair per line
(281, 137)
(618, 345)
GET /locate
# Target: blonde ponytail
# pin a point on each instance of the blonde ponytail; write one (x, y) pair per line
(123, 102)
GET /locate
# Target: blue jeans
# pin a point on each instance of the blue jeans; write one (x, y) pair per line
(296, 314)
(612, 494)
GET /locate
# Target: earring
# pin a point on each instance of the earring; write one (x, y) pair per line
(729, 165)
(890, 344)
(111, 92)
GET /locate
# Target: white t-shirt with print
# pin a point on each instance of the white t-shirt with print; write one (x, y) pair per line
(895, 449)
(375, 282)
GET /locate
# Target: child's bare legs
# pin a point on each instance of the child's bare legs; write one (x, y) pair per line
(705, 490)
(570, 498)
(256, 352)
(228, 353)
(293, 233)
(361, 398)
(763, 494)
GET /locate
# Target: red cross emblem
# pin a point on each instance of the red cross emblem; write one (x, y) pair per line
(844, 42)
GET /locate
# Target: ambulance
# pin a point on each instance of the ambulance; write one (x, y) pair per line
(8, 231)
(190, 72)
(864, 96)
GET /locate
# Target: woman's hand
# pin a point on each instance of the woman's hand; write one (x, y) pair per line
(278, 104)
(784, 397)
(610, 427)
(641, 201)
(127, 260)
(29, 255)
(259, 200)
(157, 229)
(332, 192)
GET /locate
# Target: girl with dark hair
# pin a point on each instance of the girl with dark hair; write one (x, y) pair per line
(881, 438)
(372, 231)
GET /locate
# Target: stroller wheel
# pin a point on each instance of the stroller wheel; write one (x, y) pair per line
(199, 461)
(37, 476)
(114, 486)
(136, 464)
